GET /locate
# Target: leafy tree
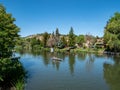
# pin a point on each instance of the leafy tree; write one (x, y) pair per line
(21, 44)
(112, 33)
(35, 43)
(71, 37)
(80, 40)
(8, 33)
(11, 71)
(45, 39)
(11, 74)
(63, 40)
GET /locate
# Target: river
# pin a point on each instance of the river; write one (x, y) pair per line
(81, 71)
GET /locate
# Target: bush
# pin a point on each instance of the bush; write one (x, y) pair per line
(11, 72)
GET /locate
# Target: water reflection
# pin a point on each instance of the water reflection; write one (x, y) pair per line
(45, 57)
(81, 56)
(90, 62)
(56, 64)
(112, 73)
(82, 71)
(71, 63)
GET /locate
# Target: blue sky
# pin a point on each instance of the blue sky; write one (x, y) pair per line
(39, 16)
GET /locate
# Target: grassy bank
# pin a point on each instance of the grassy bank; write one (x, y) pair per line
(76, 50)
(89, 50)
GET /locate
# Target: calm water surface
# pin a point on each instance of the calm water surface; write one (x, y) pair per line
(76, 72)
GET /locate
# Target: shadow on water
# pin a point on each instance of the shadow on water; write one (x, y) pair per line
(81, 56)
(12, 74)
(71, 63)
(112, 73)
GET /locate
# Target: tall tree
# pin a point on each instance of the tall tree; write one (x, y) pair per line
(71, 37)
(57, 33)
(8, 33)
(57, 37)
(112, 33)
(53, 35)
(45, 39)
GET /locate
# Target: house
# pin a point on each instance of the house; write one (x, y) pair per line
(99, 43)
(87, 44)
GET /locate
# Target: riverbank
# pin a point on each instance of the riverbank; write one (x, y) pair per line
(77, 50)
(67, 49)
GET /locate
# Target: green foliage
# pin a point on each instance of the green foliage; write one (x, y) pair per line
(19, 85)
(11, 69)
(11, 72)
(113, 25)
(57, 37)
(35, 43)
(80, 40)
(45, 38)
(112, 33)
(57, 32)
(29, 44)
(60, 45)
(8, 33)
(71, 37)
(64, 41)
